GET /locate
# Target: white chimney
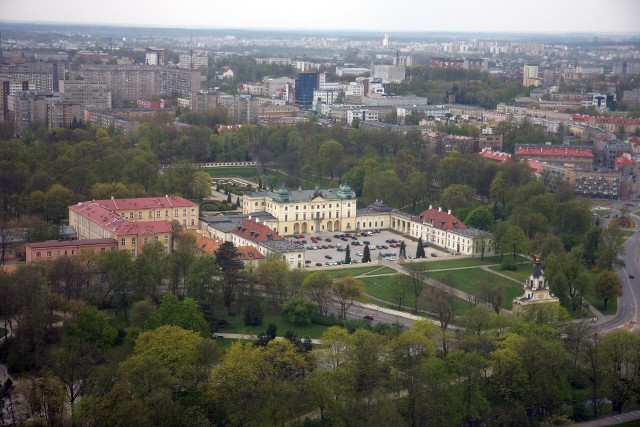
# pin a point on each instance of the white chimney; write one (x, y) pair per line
(449, 211)
(249, 216)
(430, 206)
(439, 209)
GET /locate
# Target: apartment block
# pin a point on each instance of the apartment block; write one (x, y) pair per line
(133, 82)
(61, 113)
(27, 108)
(109, 118)
(242, 108)
(90, 94)
(11, 87)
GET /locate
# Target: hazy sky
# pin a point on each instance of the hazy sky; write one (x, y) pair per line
(558, 16)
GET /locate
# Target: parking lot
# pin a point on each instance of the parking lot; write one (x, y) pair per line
(329, 248)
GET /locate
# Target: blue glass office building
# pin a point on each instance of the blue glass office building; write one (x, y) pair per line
(306, 83)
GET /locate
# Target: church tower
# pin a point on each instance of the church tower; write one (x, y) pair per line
(536, 289)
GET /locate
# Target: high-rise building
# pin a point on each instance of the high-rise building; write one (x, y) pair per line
(154, 56)
(27, 108)
(530, 76)
(11, 87)
(242, 108)
(388, 73)
(305, 84)
(43, 75)
(133, 82)
(61, 113)
(193, 61)
(88, 93)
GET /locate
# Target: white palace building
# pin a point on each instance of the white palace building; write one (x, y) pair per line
(289, 212)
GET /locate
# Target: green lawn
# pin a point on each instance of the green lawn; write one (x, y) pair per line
(380, 287)
(464, 262)
(603, 212)
(628, 233)
(522, 272)
(237, 326)
(590, 295)
(245, 172)
(269, 175)
(359, 271)
(468, 280)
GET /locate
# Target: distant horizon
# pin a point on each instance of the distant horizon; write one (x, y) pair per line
(412, 16)
(316, 30)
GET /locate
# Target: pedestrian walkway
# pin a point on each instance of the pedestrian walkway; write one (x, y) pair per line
(252, 337)
(613, 420)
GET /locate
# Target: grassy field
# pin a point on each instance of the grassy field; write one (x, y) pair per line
(269, 175)
(602, 212)
(628, 233)
(464, 262)
(468, 281)
(237, 326)
(522, 272)
(380, 287)
(245, 172)
(590, 295)
(360, 271)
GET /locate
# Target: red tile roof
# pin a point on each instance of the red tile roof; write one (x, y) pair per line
(255, 231)
(146, 203)
(248, 253)
(495, 156)
(551, 151)
(440, 219)
(535, 166)
(68, 243)
(115, 223)
(207, 244)
(625, 160)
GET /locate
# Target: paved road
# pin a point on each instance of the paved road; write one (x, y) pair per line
(629, 302)
(612, 420)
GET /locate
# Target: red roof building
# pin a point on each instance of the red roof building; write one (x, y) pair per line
(580, 157)
(53, 249)
(495, 156)
(132, 222)
(255, 232)
(439, 219)
(625, 160)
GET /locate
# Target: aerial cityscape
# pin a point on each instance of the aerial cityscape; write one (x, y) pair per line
(343, 214)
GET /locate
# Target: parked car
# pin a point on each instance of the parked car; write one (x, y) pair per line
(628, 204)
(328, 256)
(433, 254)
(308, 261)
(318, 264)
(358, 253)
(632, 276)
(368, 317)
(328, 239)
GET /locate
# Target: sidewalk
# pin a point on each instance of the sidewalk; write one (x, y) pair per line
(612, 420)
(252, 337)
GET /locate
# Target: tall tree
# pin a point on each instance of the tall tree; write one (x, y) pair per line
(318, 287)
(420, 248)
(366, 254)
(346, 291)
(608, 286)
(347, 255)
(230, 265)
(611, 248)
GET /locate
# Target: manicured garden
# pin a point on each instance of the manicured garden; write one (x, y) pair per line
(468, 281)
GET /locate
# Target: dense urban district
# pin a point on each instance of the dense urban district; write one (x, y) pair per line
(236, 228)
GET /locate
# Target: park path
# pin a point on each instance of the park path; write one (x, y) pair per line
(612, 420)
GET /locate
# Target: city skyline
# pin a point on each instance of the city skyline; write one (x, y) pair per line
(493, 16)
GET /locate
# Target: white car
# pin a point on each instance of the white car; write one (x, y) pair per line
(358, 253)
